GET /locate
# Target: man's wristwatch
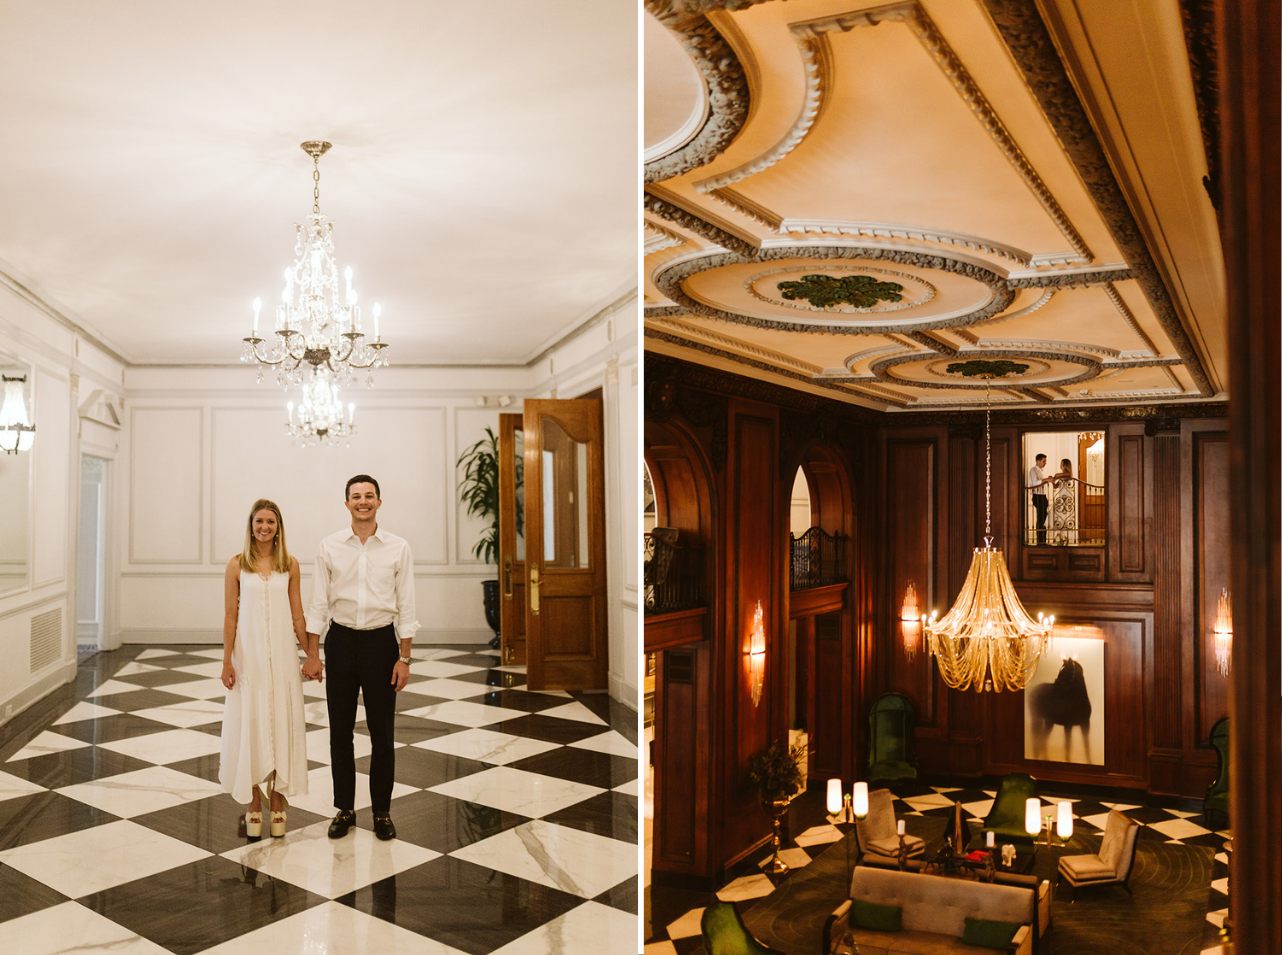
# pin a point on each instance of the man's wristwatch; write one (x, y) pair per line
(405, 660)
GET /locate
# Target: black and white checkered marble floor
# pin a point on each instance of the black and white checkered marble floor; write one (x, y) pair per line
(680, 935)
(516, 815)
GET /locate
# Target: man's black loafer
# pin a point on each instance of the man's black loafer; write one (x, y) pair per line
(383, 828)
(342, 823)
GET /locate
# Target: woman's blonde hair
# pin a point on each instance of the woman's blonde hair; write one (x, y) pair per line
(249, 556)
(1067, 465)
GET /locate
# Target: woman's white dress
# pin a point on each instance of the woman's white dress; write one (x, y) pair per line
(263, 725)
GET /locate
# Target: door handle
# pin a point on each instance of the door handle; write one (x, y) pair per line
(507, 579)
(534, 588)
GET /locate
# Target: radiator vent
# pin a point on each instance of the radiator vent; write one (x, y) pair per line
(46, 639)
(678, 666)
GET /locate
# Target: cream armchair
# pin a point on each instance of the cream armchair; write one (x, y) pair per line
(878, 834)
(1114, 862)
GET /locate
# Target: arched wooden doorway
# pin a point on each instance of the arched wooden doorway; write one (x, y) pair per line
(822, 691)
(679, 624)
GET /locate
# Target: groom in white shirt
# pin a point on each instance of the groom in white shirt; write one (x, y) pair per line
(363, 587)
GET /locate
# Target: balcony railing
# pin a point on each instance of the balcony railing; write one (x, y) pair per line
(817, 559)
(673, 572)
(1075, 516)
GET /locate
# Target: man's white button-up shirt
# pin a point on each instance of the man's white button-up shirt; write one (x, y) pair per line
(363, 586)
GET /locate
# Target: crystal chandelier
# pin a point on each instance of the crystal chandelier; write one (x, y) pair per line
(1224, 634)
(988, 640)
(313, 325)
(320, 413)
(17, 433)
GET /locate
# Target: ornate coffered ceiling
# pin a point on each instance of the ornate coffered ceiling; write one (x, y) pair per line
(859, 196)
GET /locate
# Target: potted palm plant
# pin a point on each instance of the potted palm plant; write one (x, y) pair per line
(479, 490)
(776, 771)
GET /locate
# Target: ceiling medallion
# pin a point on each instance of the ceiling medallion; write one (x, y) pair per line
(864, 291)
(314, 326)
(984, 368)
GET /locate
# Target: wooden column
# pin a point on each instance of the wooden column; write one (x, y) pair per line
(1249, 53)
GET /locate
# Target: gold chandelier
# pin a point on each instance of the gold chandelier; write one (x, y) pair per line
(987, 640)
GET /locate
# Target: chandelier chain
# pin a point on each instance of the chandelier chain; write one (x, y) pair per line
(988, 460)
(316, 185)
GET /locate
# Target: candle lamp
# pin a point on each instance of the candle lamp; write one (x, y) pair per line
(1033, 816)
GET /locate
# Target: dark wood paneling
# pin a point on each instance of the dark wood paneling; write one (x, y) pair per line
(829, 689)
(910, 556)
(754, 532)
(1130, 516)
(1211, 553)
(681, 761)
(1168, 690)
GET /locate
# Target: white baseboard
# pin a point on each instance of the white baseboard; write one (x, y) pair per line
(424, 637)
(60, 676)
(87, 633)
(624, 692)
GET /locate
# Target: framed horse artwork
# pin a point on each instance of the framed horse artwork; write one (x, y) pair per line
(1064, 702)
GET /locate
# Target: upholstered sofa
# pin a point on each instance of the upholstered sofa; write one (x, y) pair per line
(933, 911)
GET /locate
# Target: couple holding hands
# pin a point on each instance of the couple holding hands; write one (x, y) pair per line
(363, 588)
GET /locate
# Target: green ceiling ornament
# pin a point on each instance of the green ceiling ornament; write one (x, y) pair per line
(979, 368)
(861, 291)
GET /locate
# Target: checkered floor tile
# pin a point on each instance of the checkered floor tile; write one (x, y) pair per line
(516, 814)
(680, 935)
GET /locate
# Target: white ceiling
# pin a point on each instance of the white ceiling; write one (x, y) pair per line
(482, 180)
(905, 143)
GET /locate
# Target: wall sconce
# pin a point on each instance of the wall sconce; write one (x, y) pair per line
(909, 622)
(16, 430)
(1064, 824)
(1224, 634)
(757, 654)
(1033, 816)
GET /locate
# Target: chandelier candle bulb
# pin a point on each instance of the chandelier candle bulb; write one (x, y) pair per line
(290, 406)
(990, 839)
(351, 411)
(258, 305)
(899, 827)
(378, 310)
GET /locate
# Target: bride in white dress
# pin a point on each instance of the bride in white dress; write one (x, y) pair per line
(263, 626)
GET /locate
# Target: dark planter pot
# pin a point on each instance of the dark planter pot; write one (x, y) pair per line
(490, 591)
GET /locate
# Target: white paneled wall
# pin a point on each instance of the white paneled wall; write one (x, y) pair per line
(196, 446)
(39, 522)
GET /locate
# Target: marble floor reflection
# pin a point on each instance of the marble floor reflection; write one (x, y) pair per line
(516, 814)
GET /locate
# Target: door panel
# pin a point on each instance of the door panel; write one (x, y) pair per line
(566, 638)
(512, 538)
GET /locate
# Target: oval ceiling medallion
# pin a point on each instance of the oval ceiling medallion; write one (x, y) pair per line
(834, 289)
(981, 368)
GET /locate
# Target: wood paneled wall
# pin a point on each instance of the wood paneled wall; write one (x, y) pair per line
(1151, 591)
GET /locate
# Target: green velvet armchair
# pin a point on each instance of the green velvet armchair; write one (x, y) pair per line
(725, 934)
(891, 755)
(1217, 794)
(1006, 818)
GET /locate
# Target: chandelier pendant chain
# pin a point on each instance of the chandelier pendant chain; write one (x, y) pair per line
(988, 462)
(316, 186)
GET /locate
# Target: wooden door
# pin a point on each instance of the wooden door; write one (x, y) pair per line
(512, 539)
(565, 622)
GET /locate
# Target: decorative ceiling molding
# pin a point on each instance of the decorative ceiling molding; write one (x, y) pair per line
(1115, 297)
(659, 238)
(1021, 27)
(1045, 297)
(670, 276)
(818, 382)
(816, 64)
(1199, 37)
(728, 94)
(1081, 411)
(851, 360)
(1174, 380)
(933, 342)
(886, 230)
(1087, 279)
(881, 369)
(728, 341)
(700, 226)
(1018, 344)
